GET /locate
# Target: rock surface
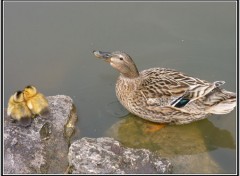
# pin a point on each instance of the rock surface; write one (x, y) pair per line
(107, 156)
(42, 147)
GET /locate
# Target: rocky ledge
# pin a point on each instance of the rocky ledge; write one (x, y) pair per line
(43, 147)
(107, 156)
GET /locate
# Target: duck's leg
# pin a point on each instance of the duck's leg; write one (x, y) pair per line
(153, 127)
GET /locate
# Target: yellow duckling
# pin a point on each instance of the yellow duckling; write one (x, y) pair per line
(36, 101)
(18, 109)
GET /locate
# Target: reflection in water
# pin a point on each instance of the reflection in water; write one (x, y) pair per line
(196, 137)
(190, 143)
(215, 137)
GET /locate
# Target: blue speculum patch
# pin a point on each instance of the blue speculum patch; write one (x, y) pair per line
(182, 103)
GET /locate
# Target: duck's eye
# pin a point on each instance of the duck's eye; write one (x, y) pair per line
(121, 58)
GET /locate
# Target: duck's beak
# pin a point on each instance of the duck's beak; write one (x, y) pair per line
(103, 55)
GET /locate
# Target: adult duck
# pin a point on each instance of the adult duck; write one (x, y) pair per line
(165, 95)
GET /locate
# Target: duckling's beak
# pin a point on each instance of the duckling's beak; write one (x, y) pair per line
(103, 55)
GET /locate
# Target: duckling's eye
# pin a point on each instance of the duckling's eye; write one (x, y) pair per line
(121, 58)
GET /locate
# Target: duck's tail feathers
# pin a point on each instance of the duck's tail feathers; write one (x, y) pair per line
(218, 83)
(220, 101)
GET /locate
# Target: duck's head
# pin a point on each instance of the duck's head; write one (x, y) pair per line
(120, 61)
(29, 91)
(18, 96)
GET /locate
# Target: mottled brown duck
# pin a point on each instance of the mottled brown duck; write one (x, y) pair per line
(165, 95)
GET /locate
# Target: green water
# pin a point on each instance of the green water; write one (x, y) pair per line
(50, 44)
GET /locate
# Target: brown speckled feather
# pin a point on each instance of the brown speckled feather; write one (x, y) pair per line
(166, 95)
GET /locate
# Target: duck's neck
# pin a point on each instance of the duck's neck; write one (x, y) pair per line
(130, 75)
(125, 86)
(131, 72)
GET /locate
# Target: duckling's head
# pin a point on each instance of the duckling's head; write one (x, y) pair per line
(120, 61)
(29, 91)
(18, 96)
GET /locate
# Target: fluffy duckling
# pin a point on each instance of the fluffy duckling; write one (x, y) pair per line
(165, 95)
(36, 101)
(18, 109)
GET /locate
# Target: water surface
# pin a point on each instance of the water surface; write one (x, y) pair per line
(50, 44)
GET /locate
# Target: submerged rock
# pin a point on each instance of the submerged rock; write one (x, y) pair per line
(41, 147)
(107, 156)
(185, 146)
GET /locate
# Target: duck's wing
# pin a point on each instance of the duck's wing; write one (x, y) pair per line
(195, 92)
(29, 104)
(10, 106)
(9, 110)
(175, 88)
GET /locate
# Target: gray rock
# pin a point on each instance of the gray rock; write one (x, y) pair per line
(42, 147)
(107, 156)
